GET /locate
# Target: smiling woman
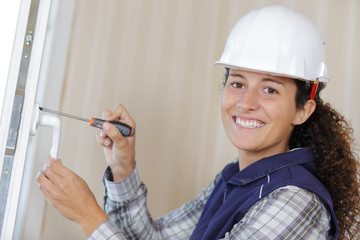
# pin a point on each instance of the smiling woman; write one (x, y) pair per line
(286, 183)
(336, 164)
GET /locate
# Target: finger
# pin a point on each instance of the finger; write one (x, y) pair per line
(44, 183)
(52, 176)
(47, 194)
(114, 134)
(123, 115)
(103, 139)
(41, 178)
(103, 135)
(51, 197)
(56, 166)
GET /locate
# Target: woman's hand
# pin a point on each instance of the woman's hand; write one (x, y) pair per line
(70, 195)
(119, 150)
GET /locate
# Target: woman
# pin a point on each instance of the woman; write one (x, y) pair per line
(294, 178)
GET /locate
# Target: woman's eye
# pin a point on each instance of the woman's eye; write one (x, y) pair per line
(270, 90)
(237, 85)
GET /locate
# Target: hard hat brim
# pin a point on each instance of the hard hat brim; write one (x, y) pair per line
(324, 79)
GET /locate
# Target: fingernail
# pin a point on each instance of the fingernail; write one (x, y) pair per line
(107, 142)
(44, 167)
(101, 133)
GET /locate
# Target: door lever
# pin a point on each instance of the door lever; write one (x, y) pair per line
(47, 120)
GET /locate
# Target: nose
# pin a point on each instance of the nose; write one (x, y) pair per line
(248, 101)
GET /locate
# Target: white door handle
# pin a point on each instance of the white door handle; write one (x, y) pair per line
(47, 121)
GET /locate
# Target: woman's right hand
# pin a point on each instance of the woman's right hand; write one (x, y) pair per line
(119, 150)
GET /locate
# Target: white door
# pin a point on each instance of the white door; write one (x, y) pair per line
(26, 43)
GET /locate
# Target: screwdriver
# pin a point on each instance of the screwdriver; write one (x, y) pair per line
(124, 129)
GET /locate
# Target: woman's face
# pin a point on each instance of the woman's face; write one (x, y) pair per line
(259, 111)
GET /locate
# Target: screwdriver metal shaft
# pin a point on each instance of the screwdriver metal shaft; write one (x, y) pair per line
(63, 114)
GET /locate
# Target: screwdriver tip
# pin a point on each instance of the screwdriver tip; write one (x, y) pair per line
(40, 108)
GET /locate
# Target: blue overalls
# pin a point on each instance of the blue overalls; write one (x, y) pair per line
(236, 191)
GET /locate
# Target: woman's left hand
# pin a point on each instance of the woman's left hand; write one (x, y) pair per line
(70, 195)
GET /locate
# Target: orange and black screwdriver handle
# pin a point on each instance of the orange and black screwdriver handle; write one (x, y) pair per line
(124, 129)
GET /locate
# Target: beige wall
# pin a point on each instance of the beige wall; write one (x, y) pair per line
(156, 57)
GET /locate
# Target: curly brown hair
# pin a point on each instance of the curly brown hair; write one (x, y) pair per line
(330, 138)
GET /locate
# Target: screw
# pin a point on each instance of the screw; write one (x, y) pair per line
(28, 39)
(6, 171)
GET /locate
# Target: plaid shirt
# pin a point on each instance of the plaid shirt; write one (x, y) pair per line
(287, 213)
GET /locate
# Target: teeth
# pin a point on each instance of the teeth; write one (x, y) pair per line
(249, 123)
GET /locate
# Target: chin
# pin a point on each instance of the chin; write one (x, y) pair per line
(246, 145)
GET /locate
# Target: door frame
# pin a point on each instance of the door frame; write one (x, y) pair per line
(19, 100)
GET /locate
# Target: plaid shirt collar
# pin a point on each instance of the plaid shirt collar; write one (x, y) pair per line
(268, 165)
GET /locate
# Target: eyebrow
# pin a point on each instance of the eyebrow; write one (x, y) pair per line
(236, 75)
(272, 80)
(263, 80)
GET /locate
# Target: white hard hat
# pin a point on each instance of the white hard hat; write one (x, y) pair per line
(279, 41)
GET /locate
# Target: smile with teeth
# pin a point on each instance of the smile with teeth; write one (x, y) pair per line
(247, 123)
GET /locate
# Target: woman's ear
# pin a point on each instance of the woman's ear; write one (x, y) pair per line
(304, 112)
